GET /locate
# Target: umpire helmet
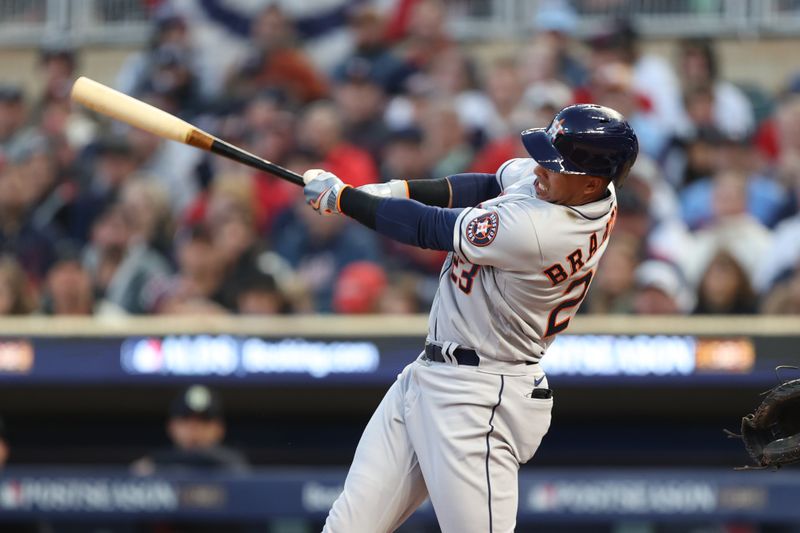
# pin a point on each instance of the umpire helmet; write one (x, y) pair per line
(585, 139)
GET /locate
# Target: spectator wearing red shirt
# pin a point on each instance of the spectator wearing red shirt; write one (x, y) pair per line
(320, 132)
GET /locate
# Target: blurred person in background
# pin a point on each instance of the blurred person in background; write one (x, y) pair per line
(505, 88)
(195, 287)
(359, 288)
(68, 288)
(445, 141)
(113, 163)
(58, 63)
(32, 247)
(728, 107)
(120, 267)
(145, 203)
(361, 102)
(765, 199)
(654, 79)
(196, 427)
(320, 133)
(554, 25)
(169, 30)
(16, 294)
(403, 155)
(538, 104)
(612, 84)
(783, 298)
(368, 27)
(319, 252)
(745, 237)
(423, 34)
(13, 115)
(259, 294)
(404, 295)
(661, 289)
(725, 288)
(276, 61)
(614, 285)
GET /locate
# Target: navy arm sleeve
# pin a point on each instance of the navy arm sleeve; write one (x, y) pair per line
(468, 190)
(406, 221)
(458, 190)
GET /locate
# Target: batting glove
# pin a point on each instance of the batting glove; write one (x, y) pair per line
(322, 191)
(393, 189)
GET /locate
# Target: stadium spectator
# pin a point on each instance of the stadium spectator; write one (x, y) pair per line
(114, 162)
(368, 26)
(13, 116)
(195, 288)
(784, 297)
(276, 61)
(361, 101)
(196, 427)
(505, 88)
(16, 295)
(120, 268)
(661, 289)
(446, 143)
(320, 133)
(33, 247)
(425, 35)
(654, 79)
(725, 288)
(68, 287)
(612, 290)
(258, 293)
(710, 100)
(58, 62)
(731, 226)
(403, 156)
(359, 288)
(318, 252)
(554, 25)
(145, 204)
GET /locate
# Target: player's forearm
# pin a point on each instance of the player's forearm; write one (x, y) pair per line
(458, 190)
(469, 190)
(406, 221)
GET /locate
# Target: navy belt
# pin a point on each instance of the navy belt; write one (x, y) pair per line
(463, 356)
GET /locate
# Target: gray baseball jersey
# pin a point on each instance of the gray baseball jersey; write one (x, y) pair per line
(458, 433)
(520, 269)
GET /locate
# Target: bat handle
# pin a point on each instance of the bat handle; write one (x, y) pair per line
(224, 149)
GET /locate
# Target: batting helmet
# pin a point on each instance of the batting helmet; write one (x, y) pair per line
(585, 139)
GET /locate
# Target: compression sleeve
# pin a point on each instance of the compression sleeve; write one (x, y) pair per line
(406, 221)
(471, 189)
(458, 190)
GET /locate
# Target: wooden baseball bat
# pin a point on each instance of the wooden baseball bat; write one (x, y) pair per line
(124, 108)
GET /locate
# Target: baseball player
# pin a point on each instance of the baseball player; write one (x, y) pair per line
(524, 244)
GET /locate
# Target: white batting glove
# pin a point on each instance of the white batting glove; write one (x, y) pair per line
(322, 191)
(393, 189)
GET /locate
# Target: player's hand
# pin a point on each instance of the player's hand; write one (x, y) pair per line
(392, 189)
(322, 191)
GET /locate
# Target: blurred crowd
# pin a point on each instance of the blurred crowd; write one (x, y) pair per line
(99, 218)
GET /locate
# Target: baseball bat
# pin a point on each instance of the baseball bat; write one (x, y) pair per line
(124, 108)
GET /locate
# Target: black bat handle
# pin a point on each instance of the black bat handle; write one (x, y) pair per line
(237, 154)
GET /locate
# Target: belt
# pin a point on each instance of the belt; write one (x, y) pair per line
(463, 356)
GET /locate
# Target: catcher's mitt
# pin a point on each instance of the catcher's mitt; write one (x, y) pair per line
(771, 434)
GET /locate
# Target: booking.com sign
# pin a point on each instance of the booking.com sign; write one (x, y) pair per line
(226, 355)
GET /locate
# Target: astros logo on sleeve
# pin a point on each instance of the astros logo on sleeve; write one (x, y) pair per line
(482, 230)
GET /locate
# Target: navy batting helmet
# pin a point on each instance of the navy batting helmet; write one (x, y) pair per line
(585, 139)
